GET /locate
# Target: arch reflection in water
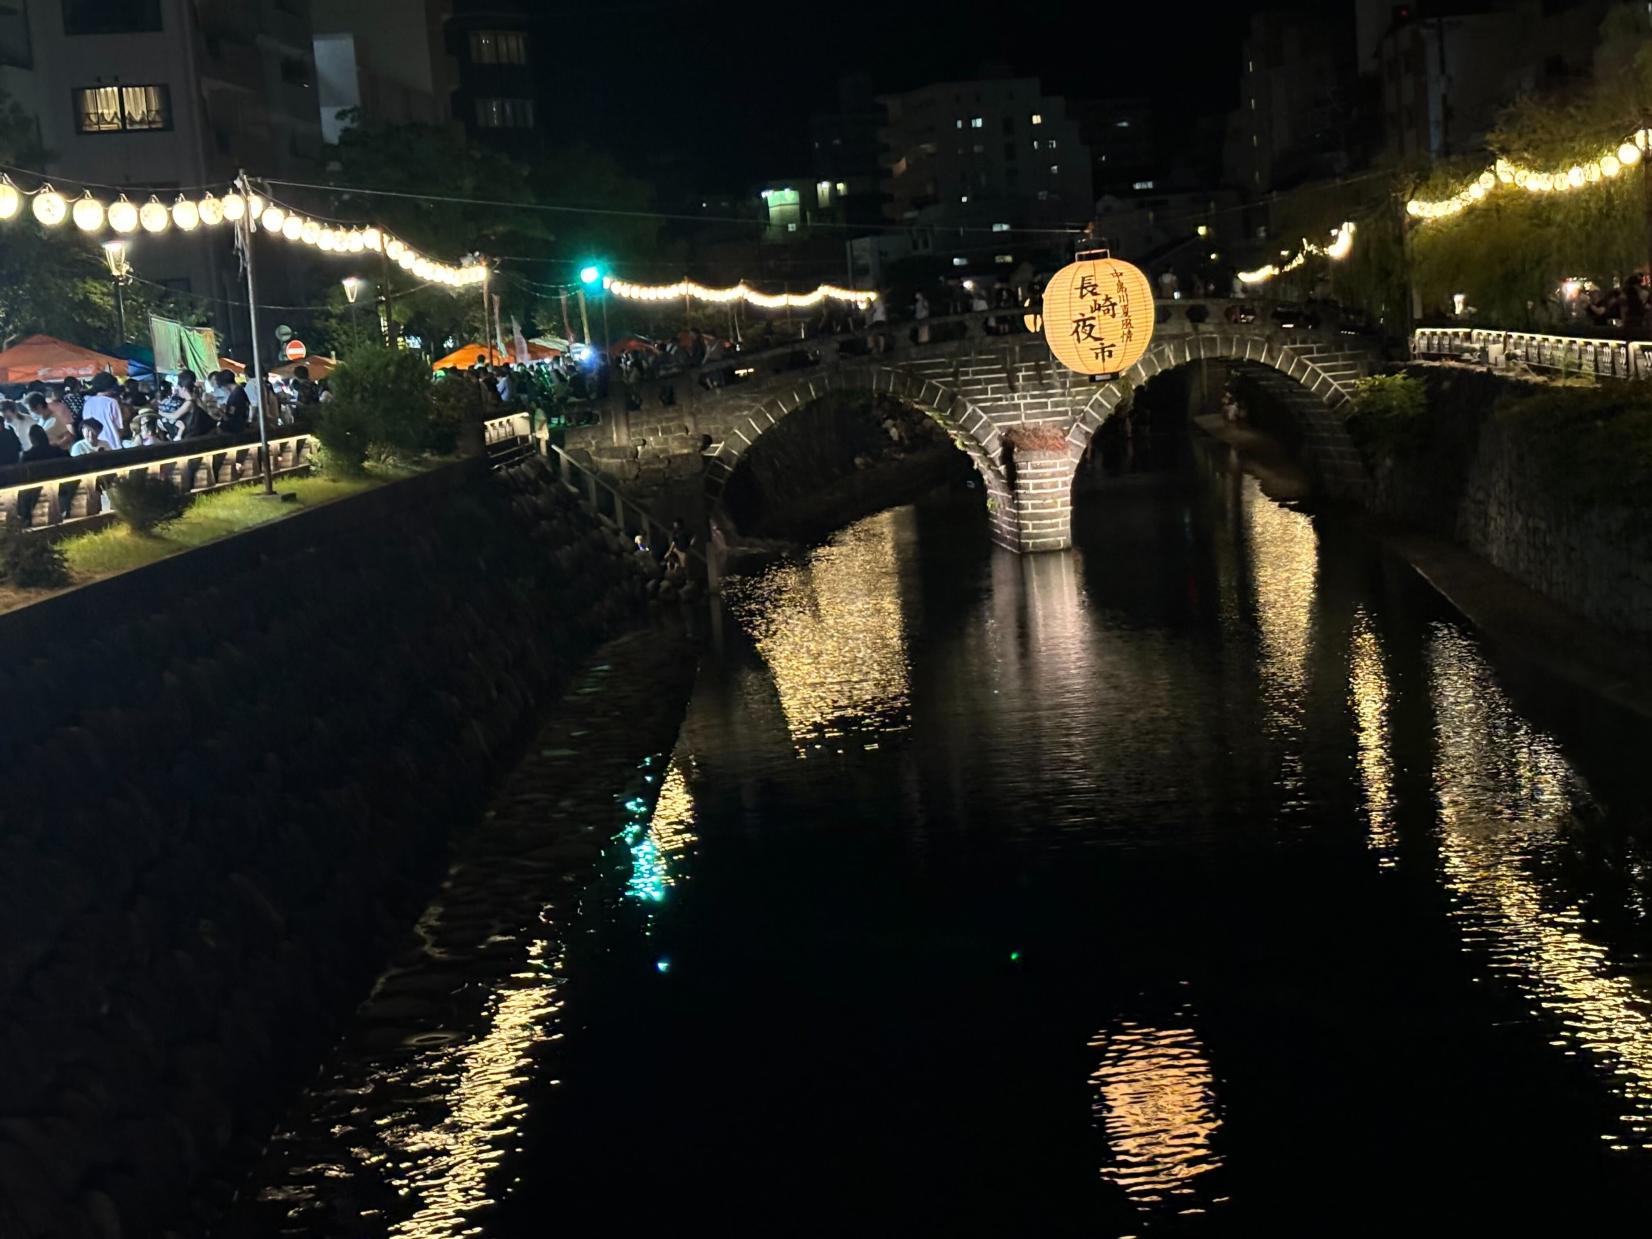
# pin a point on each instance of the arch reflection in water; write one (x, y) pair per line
(1368, 694)
(1156, 1103)
(1507, 798)
(833, 632)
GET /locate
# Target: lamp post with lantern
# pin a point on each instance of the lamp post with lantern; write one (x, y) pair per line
(120, 274)
(352, 292)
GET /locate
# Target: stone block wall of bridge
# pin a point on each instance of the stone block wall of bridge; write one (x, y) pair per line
(1024, 419)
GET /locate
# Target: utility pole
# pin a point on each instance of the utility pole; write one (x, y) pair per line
(257, 376)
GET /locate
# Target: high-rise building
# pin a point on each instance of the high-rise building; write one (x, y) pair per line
(845, 151)
(1446, 69)
(1298, 100)
(382, 62)
(499, 49)
(1124, 152)
(984, 160)
(158, 95)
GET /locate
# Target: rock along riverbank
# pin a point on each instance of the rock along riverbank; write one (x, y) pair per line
(411, 1127)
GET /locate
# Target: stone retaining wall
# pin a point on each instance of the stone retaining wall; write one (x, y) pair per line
(232, 780)
(1471, 478)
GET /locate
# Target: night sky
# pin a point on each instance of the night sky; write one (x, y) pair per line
(720, 95)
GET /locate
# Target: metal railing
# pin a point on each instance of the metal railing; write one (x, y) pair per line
(58, 494)
(1504, 350)
(62, 494)
(624, 516)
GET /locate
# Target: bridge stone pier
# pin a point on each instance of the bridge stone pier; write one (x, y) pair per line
(1023, 418)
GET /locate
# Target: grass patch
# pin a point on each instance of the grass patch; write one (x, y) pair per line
(209, 518)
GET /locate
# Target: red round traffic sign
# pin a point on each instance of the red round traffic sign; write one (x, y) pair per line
(296, 350)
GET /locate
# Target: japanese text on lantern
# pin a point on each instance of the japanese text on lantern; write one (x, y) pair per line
(1098, 316)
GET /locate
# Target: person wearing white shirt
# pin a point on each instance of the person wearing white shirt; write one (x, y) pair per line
(91, 435)
(104, 407)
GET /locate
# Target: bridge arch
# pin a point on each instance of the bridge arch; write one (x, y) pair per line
(1022, 418)
(1312, 379)
(971, 429)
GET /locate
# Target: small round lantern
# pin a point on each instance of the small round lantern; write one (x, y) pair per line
(1098, 314)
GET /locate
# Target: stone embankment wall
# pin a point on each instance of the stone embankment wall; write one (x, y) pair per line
(1475, 478)
(233, 776)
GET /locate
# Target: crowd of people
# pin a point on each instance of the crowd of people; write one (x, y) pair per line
(104, 414)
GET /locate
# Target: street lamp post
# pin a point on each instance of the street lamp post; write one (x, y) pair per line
(352, 290)
(120, 274)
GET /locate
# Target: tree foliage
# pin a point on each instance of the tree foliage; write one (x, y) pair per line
(421, 170)
(1509, 254)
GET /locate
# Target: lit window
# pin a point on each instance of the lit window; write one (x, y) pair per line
(1043, 195)
(842, 188)
(1142, 185)
(1037, 145)
(1123, 124)
(114, 109)
(498, 47)
(963, 197)
(979, 149)
(504, 113)
(1037, 118)
(1003, 258)
(1253, 139)
(1000, 227)
(823, 194)
(1055, 169)
(1253, 103)
(1250, 66)
(960, 122)
(975, 122)
(1051, 145)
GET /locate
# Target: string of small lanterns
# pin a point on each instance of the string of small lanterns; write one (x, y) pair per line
(738, 292)
(125, 217)
(1342, 243)
(1604, 166)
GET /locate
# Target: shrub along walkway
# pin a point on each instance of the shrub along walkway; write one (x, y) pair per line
(212, 516)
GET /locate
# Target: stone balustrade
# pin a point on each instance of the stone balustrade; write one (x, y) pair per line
(1504, 350)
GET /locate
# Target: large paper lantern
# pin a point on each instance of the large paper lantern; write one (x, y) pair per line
(1098, 314)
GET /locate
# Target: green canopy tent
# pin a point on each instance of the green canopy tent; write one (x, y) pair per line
(178, 347)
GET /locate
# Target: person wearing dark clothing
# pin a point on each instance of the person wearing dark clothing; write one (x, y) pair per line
(11, 451)
(303, 387)
(237, 412)
(40, 447)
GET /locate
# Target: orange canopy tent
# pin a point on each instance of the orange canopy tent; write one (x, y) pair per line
(467, 355)
(48, 359)
(320, 366)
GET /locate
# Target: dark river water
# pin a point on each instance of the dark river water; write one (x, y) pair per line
(1211, 879)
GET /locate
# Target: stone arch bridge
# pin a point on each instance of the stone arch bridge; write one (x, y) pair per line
(1023, 418)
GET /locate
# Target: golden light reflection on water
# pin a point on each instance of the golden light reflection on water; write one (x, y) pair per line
(443, 1150)
(833, 632)
(1284, 567)
(1506, 796)
(1156, 1102)
(1368, 693)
